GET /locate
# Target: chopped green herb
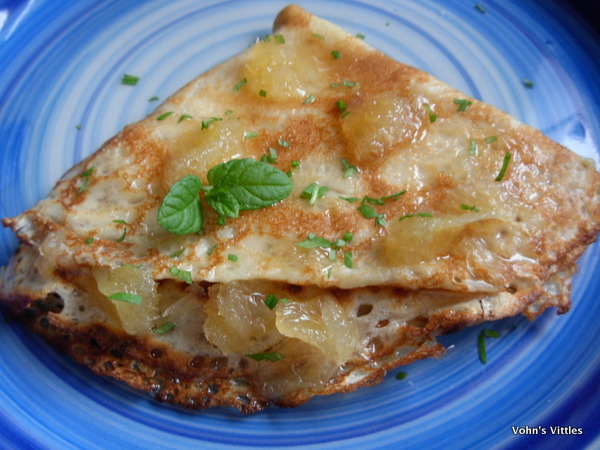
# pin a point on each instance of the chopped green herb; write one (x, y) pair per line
(345, 83)
(349, 169)
(408, 216)
(489, 140)
(462, 104)
(165, 328)
(348, 259)
(279, 39)
(311, 98)
(86, 182)
(271, 157)
(348, 236)
(481, 348)
(318, 36)
(239, 84)
(283, 143)
(360, 35)
(84, 185)
(336, 54)
(400, 375)
(505, 162)
(229, 112)
(267, 38)
(380, 220)
(528, 83)
(206, 123)
(473, 147)
(344, 114)
(177, 253)
(342, 106)
(313, 241)
(122, 238)
(212, 249)
(270, 356)
(481, 343)
(129, 80)
(89, 240)
(121, 221)
(126, 297)
(232, 257)
(250, 134)
(332, 254)
(340, 242)
(313, 192)
(368, 211)
(135, 266)
(295, 164)
(184, 117)
(381, 200)
(271, 301)
(469, 207)
(183, 275)
(349, 199)
(491, 333)
(262, 93)
(432, 116)
(480, 8)
(163, 116)
(153, 99)
(88, 172)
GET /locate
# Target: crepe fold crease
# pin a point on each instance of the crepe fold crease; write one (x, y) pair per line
(415, 210)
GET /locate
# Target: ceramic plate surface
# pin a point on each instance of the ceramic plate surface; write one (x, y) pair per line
(61, 98)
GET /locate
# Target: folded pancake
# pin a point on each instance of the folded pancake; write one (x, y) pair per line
(414, 210)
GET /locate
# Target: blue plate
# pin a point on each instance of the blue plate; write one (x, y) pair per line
(61, 98)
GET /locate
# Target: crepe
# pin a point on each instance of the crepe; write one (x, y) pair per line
(410, 210)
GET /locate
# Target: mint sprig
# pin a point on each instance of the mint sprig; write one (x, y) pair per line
(236, 185)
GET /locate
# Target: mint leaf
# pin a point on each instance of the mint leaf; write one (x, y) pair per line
(180, 211)
(254, 184)
(223, 203)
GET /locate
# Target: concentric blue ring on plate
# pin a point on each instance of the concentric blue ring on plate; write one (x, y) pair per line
(61, 98)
